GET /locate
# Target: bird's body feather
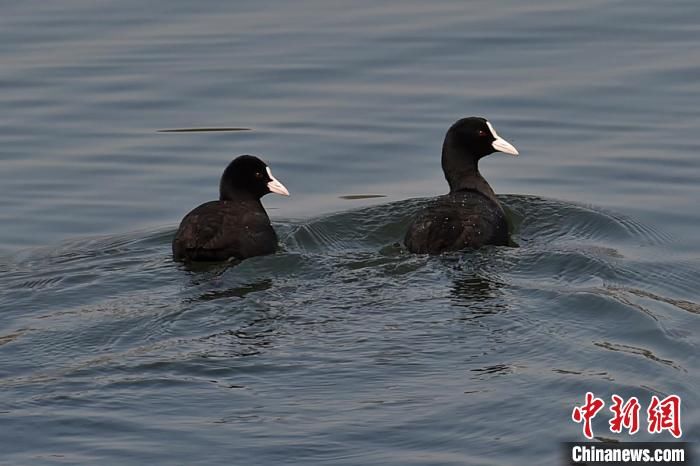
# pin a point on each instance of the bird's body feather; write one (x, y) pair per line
(455, 221)
(220, 230)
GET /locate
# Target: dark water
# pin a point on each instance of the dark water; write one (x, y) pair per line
(342, 348)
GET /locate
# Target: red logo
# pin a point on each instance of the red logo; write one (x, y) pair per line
(587, 412)
(661, 415)
(626, 415)
(665, 415)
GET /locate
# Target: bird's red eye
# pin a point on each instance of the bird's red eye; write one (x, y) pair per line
(482, 133)
(259, 175)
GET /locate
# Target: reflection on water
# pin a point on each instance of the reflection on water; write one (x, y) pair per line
(619, 293)
(238, 291)
(356, 197)
(638, 351)
(469, 290)
(202, 130)
(498, 369)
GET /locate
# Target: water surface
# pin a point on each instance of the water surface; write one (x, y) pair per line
(342, 348)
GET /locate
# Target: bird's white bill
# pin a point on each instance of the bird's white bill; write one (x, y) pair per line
(275, 186)
(500, 144)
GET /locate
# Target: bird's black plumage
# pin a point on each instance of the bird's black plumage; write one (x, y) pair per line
(470, 216)
(236, 226)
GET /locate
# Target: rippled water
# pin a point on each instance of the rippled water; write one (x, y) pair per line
(342, 348)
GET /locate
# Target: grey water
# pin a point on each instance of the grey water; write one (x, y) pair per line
(342, 348)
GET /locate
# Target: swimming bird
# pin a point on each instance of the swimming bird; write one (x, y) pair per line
(469, 216)
(236, 226)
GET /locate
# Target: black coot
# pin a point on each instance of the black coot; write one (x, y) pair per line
(236, 226)
(469, 216)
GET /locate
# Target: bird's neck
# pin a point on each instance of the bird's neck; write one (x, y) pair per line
(461, 170)
(229, 193)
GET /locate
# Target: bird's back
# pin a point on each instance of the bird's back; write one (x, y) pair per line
(220, 230)
(459, 220)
